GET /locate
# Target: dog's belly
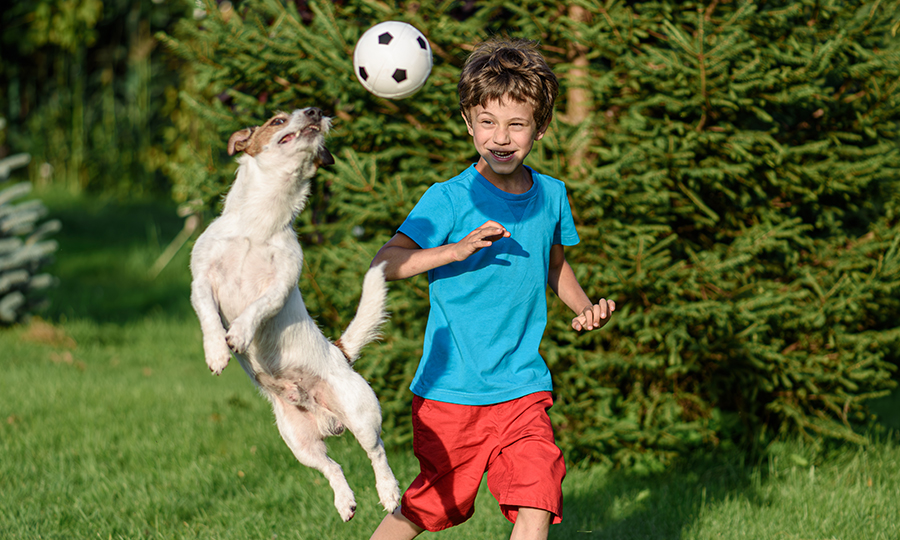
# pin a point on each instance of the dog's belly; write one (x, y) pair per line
(290, 341)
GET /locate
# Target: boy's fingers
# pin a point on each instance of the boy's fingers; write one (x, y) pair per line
(490, 231)
(587, 318)
(606, 308)
(594, 316)
(495, 229)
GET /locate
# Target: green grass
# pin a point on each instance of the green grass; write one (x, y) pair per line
(112, 427)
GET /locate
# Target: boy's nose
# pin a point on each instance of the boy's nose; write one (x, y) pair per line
(501, 135)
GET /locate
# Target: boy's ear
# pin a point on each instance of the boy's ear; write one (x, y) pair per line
(468, 125)
(540, 133)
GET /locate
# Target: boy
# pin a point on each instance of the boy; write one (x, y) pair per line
(491, 240)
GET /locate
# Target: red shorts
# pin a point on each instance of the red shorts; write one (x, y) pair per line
(456, 444)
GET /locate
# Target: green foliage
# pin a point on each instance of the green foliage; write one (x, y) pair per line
(747, 200)
(84, 89)
(733, 170)
(69, 24)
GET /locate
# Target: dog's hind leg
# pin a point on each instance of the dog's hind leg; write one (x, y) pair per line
(301, 433)
(362, 416)
(369, 437)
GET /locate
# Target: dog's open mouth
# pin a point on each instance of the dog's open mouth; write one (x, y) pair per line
(308, 130)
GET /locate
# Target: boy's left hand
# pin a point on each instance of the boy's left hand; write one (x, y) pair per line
(595, 316)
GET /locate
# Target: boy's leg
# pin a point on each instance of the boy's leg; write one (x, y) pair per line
(453, 446)
(395, 526)
(531, 524)
(527, 473)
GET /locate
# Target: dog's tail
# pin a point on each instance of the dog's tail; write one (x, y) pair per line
(370, 315)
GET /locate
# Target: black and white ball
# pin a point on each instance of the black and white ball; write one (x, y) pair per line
(392, 60)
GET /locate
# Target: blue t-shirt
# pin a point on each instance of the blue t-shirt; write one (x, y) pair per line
(488, 312)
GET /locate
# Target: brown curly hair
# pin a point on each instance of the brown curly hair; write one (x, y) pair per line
(508, 69)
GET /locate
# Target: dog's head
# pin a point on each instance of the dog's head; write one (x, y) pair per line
(300, 132)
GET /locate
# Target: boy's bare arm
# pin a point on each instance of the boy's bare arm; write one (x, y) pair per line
(405, 258)
(562, 280)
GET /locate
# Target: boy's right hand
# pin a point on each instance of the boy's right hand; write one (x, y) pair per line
(479, 239)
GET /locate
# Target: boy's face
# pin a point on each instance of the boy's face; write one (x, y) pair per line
(504, 133)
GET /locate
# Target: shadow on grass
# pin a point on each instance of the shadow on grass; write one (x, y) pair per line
(887, 410)
(621, 506)
(106, 249)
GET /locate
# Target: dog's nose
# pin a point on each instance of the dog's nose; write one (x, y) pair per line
(314, 113)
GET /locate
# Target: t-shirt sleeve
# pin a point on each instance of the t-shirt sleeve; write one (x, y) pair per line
(429, 222)
(565, 234)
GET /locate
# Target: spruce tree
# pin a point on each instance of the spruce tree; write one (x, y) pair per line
(732, 168)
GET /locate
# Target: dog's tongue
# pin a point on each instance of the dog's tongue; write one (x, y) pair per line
(287, 138)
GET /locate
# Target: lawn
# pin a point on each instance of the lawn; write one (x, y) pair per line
(112, 427)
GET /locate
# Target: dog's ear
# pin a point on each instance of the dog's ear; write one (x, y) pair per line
(239, 140)
(324, 158)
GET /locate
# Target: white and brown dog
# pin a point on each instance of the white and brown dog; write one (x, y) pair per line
(246, 267)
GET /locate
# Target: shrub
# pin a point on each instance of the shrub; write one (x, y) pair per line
(24, 249)
(732, 168)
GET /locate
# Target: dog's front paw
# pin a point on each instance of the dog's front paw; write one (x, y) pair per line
(346, 505)
(239, 337)
(217, 355)
(388, 493)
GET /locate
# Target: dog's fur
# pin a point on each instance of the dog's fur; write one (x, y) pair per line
(245, 269)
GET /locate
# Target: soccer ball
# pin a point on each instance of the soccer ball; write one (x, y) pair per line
(392, 60)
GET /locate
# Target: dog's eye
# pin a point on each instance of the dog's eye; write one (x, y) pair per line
(277, 121)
